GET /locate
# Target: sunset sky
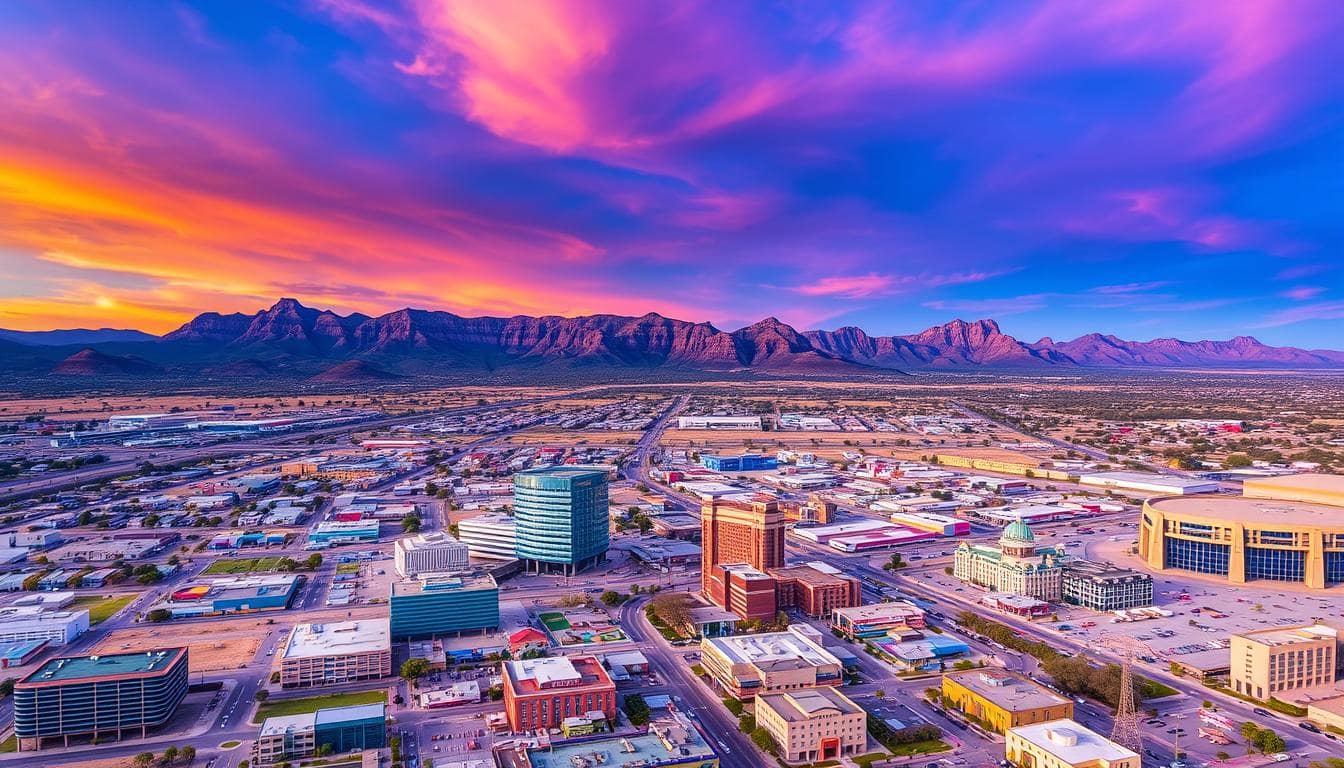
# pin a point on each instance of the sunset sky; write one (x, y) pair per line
(1132, 167)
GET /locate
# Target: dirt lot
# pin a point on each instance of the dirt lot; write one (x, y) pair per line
(222, 645)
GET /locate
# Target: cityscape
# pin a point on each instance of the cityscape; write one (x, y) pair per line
(569, 384)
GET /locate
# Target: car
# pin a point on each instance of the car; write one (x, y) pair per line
(1309, 727)
(1261, 711)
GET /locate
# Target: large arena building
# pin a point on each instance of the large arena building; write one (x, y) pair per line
(1252, 537)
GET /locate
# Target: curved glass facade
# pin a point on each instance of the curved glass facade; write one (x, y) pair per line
(562, 517)
(1197, 556)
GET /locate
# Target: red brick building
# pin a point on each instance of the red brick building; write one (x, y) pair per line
(541, 693)
(814, 591)
(748, 592)
(738, 533)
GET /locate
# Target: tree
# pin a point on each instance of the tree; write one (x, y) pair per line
(611, 598)
(1222, 756)
(413, 669)
(262, 694)
(746, 723)
(1249, 730)
(159, 614)
(496, 693)
(672, 608)
(1235, 460)
(313, 562)
(879, 694)
(7, 686)
(188, 753)
(431, 488)
(144, 759)
(636, 709)
(410, 524)
(763, 740)
(169, 755)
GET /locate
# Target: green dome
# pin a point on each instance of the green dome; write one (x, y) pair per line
(1018, 530)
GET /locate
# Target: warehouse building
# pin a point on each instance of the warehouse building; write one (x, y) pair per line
(1105, 587)
(430, 553)
(745, 462)
(999, 699)
(1149, 482)
(719, 422)
(340, 652)
(335, 532)
(342, 729)
(438, 604)
(233, 594)
(25, 623)
(66, 697)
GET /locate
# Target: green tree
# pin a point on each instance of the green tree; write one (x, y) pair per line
(143, 760)
(313, 562)
(188, 753)
(746, 723)
(410, 524)
(7, 686)
(636, 709)
(763, 740)
(611, 598)
(169, 755)
(414, 669)
(158, 615)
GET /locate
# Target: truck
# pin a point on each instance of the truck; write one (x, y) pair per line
(1215, 735)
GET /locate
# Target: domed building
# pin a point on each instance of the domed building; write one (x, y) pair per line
(1017, 566)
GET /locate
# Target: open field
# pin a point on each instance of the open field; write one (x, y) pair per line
(225, 645)
(228, 565)
(314, 703)
(101, 608)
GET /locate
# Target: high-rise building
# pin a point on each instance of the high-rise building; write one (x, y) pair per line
(494, 537)
(738, 532)
(64, 697)
(429, 553)
(562, 518)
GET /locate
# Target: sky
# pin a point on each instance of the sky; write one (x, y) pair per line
(1137, 167)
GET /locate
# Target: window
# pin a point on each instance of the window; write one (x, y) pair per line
(1197, 556)
(1275, 564)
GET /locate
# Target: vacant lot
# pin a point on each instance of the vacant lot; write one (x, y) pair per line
(219, 646)
(314, 703)
(101, 608)
(231, 565)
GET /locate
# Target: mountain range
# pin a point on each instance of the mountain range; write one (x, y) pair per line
(291, 340)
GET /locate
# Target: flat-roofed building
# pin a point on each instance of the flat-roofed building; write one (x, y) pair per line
(1269, 662)
(437, 604)
(814, 591)
(752, 423)
(335, 653)
(24, 623)
(1105, 587)
(1309, 488)
(1248, 538)
(814, 724)
(62, 697)
(748, 592)
(343, 729)
(541, 693)
(430, 553)
(1000, 699)
(738, 532)
(494, 537)
(748, 665)
(1149, 482)
(876, 619)
(1065, 744)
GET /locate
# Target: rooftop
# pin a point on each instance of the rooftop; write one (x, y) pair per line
(1006, 690)
(808, 574)
(1093, 570)
(434, 540)
(800, 706)
(1306, 482)
(1071, 742)
(533, 675)
(434, 582)
(1175, 481)
(80, 667)
(670, 740)
(338, 638)
(772, 647)
(1241, 509)
(1309, 633)
(879, 611)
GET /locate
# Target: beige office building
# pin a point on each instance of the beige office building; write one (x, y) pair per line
(1269, 662)
(336, 653)
(813, 725)
(746, 666)
(1065, 744)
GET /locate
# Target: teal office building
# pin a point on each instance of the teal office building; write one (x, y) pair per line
(562, 518)
(440, 605)
(99, 697)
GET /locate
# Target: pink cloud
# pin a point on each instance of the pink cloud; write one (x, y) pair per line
(1303, 292)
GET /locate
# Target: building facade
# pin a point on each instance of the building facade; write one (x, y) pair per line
(437, 605)
(1105, 587)
(430, 553)
(1268, 663)
(814, 591)
(1249, 538)
(336, 653)
(746, 666)
(1065, 744)
(746, 462)
(876, 619)
(342, 729)
(493, 537)
(738, 532)
(562, 518)
(541, 693)
(24, 623)
(1018, 566)
(1001, 700)
(99, 696)
(813, 725)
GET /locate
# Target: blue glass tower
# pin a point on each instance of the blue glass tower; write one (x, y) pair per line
(562, 518)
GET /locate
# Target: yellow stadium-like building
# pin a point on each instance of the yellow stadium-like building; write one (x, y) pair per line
(1287, 528)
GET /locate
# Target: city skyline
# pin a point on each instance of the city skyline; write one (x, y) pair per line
(1140, 169)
